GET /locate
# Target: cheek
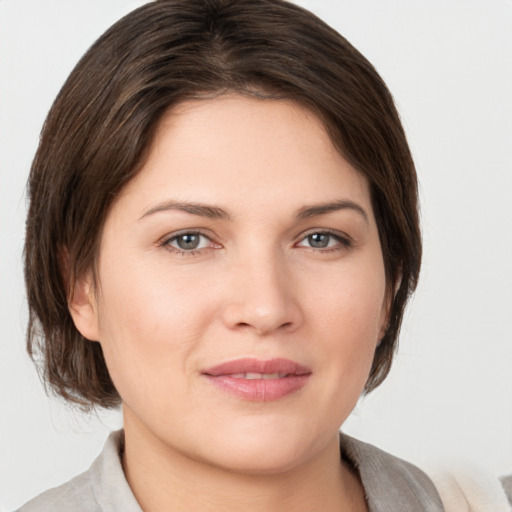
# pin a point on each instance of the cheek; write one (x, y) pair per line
(347, 318)
(351, 301)
(145, 300)
(150, 325)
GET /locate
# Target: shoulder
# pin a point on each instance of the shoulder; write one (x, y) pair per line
(506, 481)
(391, 484)
(102, 488)
(468, 487)
(75, 495)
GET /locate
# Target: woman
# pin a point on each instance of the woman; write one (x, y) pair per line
(222, 237)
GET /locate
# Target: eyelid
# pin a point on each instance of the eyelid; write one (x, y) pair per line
(343, 238)
(165, 241)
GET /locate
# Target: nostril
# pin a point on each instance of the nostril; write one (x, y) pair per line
(263, 314)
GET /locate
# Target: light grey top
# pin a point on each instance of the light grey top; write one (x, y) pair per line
(507, 485)
(391, 484)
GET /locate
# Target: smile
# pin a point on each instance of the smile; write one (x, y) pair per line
(254, 376)
(258, 380)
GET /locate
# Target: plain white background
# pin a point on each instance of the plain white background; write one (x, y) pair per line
(449, 66)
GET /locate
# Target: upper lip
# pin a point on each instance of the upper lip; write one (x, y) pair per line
(252, 365)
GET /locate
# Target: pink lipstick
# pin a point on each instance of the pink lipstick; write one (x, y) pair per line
(259, 380)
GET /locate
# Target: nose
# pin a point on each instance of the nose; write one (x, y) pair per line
(263, 296)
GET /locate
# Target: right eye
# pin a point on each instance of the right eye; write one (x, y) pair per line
(188, 242)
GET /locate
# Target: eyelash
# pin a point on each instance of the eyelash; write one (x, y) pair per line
(343, 242)
(166, 243)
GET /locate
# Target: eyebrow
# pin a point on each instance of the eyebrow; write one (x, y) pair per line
(324, 208)
(203, 210)
(214, 212)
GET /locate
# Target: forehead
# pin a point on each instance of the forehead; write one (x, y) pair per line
(236, 149)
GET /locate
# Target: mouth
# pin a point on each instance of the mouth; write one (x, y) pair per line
(259, 380)
(255, 376)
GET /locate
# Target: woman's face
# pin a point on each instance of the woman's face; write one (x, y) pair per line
(241, 286)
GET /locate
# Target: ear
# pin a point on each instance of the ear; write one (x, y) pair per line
(384, 316)
(391, 291)
(83, 307)
(81, 297)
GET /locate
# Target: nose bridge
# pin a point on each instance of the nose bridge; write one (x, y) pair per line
(262, 296)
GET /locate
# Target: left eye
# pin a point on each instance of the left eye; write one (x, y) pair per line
(322, 240)
(188, 241)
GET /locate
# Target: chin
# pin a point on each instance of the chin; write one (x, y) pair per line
(270, 451)
(260, 462)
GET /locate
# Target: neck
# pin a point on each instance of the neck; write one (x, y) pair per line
(163, 479)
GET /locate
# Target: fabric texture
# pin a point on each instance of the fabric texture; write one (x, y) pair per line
(507, 486)
(391, 484)
(102, 488)
(471, 489)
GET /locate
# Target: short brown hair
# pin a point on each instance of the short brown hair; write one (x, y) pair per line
(103, 120)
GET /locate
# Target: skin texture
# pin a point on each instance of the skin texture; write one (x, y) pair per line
(255, 286)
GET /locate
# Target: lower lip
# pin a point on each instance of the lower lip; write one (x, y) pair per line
(260, 390)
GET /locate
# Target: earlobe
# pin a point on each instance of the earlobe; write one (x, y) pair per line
(391, 293)
(383, 330)
(83, 307)
(81, 297)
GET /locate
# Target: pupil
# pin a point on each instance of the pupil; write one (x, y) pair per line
(188, 241)
(319, 240)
